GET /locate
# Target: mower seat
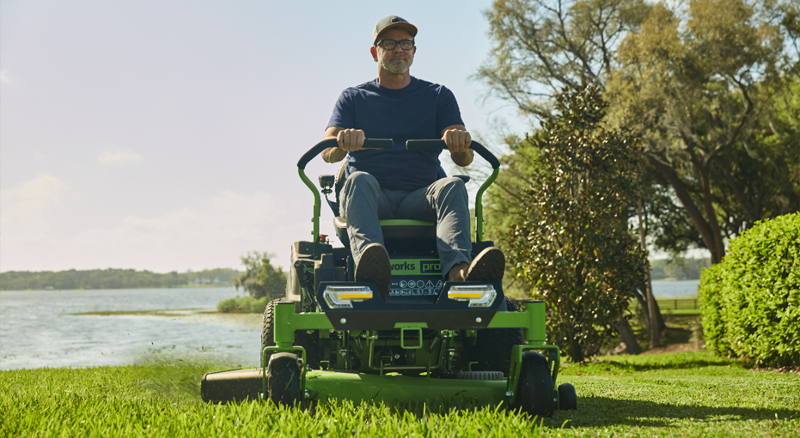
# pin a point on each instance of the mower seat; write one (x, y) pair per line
(401, 236)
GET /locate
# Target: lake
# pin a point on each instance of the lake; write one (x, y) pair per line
(39, 329)
(51, 328)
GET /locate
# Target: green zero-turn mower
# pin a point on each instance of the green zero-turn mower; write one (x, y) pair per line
(427, 340)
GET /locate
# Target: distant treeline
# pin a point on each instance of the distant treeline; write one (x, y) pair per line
(113, 279)
(681, 269)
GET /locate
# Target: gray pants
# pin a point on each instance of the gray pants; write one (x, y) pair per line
(363, 203)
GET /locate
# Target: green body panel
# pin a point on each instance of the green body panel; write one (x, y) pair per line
(479, 206)
(532, 319)
(323, 385)
(315, 218)
(286, 322)
(390, 387)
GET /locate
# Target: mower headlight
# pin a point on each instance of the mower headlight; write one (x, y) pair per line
(478, 296)
(342, 297)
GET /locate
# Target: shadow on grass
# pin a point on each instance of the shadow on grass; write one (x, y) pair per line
(604, 411)
(675, 361)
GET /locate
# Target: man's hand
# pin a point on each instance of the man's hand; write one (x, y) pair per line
(458, 140)
(347, 140)
(350, 139)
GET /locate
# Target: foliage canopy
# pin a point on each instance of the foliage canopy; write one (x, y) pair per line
(260, 278)
(751, 301)
(710, 86)
(572, 244)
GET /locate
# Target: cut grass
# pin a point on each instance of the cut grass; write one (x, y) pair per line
(685, 394)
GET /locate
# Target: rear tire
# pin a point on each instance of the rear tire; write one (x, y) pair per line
(535, 388)
(283, 379)
(492, 349)
(308, 341)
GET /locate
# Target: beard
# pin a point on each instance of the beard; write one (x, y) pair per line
(396, 69)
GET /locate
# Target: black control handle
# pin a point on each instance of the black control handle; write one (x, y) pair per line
(370, 143)
(424, 145)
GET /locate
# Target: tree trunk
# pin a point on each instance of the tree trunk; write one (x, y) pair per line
(659, 318)
(653, 314)
(701, 224)
(626, 333)
(575, 351)
(641, 296)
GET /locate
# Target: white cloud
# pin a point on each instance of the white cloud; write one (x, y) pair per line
(29, 210)
(214, 233)
(118, 157)
(4, 77)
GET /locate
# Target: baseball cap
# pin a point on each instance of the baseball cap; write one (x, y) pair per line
(390, 22)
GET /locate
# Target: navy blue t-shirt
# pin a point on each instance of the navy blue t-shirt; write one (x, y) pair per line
(421, 110)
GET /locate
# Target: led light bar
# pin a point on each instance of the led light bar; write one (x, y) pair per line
(342, 297)
(477, 295)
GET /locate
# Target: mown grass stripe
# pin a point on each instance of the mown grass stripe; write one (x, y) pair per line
(686, 394)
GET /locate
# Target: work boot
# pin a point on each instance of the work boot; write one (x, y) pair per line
(488, 266)
(374, 267)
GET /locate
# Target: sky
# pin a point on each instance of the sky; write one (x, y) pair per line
(164, 134)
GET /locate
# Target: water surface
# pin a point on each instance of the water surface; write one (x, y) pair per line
(41, 329)
(675, 289)
(52, 328)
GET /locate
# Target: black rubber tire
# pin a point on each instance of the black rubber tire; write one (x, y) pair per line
(535, 387)
(283, 379)
(567, 397)
(492, 349)
(308, 341)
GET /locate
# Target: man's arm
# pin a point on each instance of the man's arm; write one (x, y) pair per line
(458, 140)
(349, 140)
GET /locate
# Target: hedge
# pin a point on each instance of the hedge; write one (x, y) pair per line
(751, 300)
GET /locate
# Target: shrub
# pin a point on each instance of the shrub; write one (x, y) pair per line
(243, 305)
(572, 243)
(260, 278)
(751, 300)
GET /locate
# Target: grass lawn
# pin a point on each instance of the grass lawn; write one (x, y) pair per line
(681, 394)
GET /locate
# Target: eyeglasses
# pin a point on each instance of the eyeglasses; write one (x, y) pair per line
(391, 44)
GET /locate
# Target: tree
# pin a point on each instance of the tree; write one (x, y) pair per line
(260, 278)
(692, 83)
(543, 46)
(573, 242)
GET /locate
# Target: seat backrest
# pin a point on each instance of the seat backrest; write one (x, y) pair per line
(401, 236)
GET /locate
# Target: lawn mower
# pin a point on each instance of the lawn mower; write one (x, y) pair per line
(426, 340)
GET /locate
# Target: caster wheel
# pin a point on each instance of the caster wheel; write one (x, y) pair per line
(535, 389)
(283, 379)
(567, 398)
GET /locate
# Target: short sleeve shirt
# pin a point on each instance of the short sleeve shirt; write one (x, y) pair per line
(421, 110)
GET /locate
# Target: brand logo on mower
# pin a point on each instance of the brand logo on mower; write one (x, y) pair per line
(405, 266)
(430, 267)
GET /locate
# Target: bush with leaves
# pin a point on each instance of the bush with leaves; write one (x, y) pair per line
(751, 300)
(243, 305)
(573, 244)
(260, 278)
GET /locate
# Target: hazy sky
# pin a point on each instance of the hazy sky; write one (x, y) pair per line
(164, 135)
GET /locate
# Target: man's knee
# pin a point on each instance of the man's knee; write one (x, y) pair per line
(452, 188)
(361, 189)
(455, 183)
